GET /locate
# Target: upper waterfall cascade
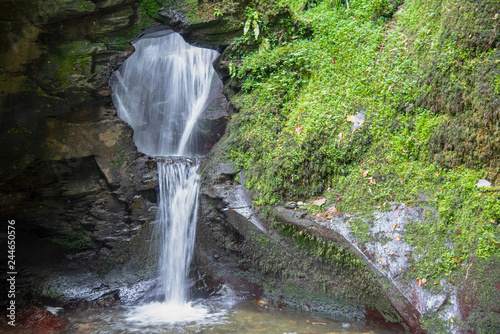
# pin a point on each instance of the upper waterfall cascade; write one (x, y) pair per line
(161, 90)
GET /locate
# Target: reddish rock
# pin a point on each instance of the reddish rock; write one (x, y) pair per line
(40, 320)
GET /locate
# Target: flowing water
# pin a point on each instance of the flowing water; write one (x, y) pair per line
(161, 90)
(225, 318)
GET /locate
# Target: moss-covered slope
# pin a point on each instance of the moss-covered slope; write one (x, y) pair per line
(374, 102)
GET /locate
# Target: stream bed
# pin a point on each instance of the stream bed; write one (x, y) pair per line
(222, 317)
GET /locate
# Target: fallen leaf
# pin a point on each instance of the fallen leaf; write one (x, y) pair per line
(319, 201)
(424, 280)
(365, 173)
(352, 119)
(332, 209)
(419, 282)
(298, 129)
(372, 181)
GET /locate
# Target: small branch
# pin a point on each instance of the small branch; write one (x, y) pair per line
(467, 271)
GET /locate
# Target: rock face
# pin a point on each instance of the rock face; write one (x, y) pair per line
(80, 193)
(82, 196)
(280, 258)
(292, 258)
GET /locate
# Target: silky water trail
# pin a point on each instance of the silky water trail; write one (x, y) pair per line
(161, 90)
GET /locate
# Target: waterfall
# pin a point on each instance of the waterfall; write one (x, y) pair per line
(179, 184)
(161, 90)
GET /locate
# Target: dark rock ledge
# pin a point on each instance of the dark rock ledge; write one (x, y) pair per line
(241, 248)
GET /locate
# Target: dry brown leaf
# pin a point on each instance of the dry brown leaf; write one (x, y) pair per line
(419, 282)
(352, 119)
(298, 129)
(319, 201)
(365, 173)
(332, 209)
(372, 181)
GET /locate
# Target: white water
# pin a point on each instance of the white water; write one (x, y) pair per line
(161, 90)
(179, 184)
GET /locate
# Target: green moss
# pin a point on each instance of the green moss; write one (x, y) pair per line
(360, 229)
(104, 267)
(428, 90)
(85, 6)
(435, 325)
(77, 240)
(119, 159)
(72, 63)
(326, 249)
(69, 65)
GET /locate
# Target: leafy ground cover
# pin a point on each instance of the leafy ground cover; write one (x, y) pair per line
(373, 102)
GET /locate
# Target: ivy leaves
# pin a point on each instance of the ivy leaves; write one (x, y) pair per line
(252, 21)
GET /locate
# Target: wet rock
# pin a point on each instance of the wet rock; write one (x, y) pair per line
(291, 205)
(72, 171)
(174, 17)
(237, 247)
(483, 183)
(38, 319)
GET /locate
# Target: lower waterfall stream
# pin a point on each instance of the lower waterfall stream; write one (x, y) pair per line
(161, 90)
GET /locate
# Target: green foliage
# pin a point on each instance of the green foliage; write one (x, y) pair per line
(428, 93)
(77, 240)
(326, 249)
(217, 12)
(360, 230)
(253, 21)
